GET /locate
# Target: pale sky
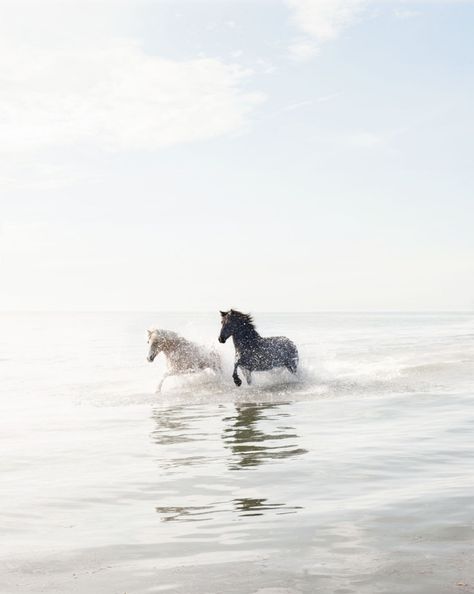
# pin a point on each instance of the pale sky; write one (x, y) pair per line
(268, 155)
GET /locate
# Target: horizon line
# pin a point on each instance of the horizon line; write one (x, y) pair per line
(259, 311)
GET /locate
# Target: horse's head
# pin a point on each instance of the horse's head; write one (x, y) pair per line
(237, 324)
(155, 341)
(228, 325)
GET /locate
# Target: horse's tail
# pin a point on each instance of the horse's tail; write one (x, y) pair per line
(295, 358)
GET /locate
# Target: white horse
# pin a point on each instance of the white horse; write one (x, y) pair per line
(182, 356)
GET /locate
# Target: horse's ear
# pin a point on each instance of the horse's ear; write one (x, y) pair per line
(224, 313)
(149, 333)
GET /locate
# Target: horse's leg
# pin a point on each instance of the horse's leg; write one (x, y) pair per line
(162, 381)
(248, 375)
(237, 380)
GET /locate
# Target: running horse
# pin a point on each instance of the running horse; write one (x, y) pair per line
(252, 351)
(182, 356)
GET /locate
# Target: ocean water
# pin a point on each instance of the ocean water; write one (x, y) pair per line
(356, 476)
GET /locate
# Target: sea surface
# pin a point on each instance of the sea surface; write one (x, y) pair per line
(355, 476)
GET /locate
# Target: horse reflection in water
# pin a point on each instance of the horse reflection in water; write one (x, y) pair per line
(244, 506)
(250, 444)
(185, 445)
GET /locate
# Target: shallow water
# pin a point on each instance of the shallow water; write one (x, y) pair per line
(357, 476)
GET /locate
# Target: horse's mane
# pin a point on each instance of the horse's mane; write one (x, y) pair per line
(167, 334)
(245, 318)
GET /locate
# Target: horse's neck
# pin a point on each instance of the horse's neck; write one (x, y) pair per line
(172, 344)
(245, 338)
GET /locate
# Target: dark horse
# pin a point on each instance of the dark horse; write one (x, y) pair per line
(252, 351)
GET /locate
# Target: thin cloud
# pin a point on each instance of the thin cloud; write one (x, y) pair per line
(404, 13)
(303, 50)
(295, 106)
(116, 98)
(325, 19)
